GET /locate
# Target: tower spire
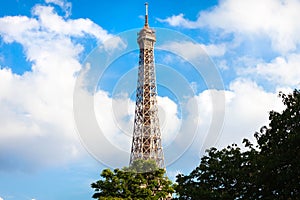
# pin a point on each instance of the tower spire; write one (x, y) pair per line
(146, 15)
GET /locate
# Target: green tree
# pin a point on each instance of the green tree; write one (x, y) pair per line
(268, 171)
(279, 146)
(142, 180)
(222, 174)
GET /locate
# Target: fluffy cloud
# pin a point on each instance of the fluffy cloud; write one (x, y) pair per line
(274, 19)
(117, 122)
(239, 121)
(282, 71)
(64, 5)
(169, 120)
(37, 126)
(47, 25)
(192, 51)
(179, 20)
(55, 24)
(247, 109)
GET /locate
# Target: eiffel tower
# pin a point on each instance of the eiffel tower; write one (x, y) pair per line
(146, 140)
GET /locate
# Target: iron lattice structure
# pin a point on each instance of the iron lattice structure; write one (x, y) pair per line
(146, 141)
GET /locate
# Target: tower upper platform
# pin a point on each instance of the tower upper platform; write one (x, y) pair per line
(146, 36)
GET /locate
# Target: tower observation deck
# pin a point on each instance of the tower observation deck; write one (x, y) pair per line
(146, 140)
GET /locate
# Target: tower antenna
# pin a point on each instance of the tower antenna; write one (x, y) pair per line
(146, 15)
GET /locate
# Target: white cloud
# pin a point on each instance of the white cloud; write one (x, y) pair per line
(1, 198)
(274, 19)
(214, 50)
(63, 4)
(247, 110)
(179, 20)
(113, 44)
(55, 24)
(246, 107)
(192, 51)
(13, 28)
(169, 120)
(282, 71)
(37, 126)
(117, 122)
(47, 25)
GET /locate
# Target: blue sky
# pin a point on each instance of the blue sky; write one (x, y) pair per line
(220, 66)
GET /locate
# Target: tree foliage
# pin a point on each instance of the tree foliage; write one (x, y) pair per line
(142, 180)
(279, 146)
(268, 171)
(222, 174)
